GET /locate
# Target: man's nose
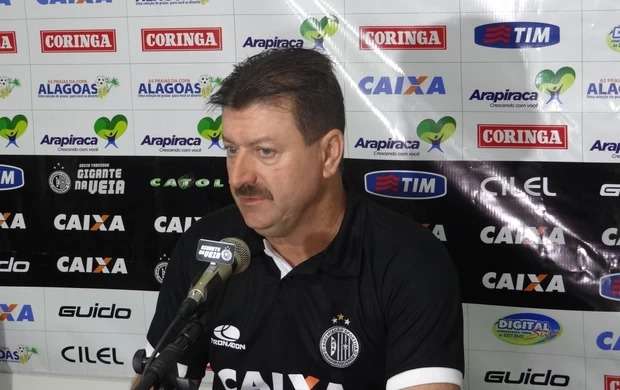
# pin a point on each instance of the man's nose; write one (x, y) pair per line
(240, 169)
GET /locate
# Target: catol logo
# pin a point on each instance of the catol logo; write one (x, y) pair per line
(526, 329)
(8, 43)
(80, 41)
(403, 37)
(522, 136)
(181, 39)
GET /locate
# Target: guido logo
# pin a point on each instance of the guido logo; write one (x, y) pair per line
(11, 129)
(516, 35)
(526, 329)
(406, 184)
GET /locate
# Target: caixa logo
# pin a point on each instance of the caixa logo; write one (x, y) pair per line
(529, 377)
(516, 35)
(406, 184)
(11, 177)
(607, 341)
(14, 312)
(526, 329)
(609, 287)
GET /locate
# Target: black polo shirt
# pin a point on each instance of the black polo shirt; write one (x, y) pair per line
(378, 308)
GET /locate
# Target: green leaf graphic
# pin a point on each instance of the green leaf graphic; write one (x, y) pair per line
(13, 128)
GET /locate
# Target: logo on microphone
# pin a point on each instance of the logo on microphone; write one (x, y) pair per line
(226, 336)
(215, 251)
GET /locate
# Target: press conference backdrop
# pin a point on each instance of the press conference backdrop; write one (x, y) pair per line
(494, 124)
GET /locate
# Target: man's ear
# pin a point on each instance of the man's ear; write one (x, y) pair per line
(332, 152)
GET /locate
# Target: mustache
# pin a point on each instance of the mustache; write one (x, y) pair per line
(253, 190)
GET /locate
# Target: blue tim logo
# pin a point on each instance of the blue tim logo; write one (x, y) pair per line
(517, 35)
(609, 287)
(406, 184)
(11, 177)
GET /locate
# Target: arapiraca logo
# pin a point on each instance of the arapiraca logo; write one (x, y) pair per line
(317, 30)
(211, 129)
(6, 86)
(111, 130)
(11, 129)
(555, 83)
(434, 133)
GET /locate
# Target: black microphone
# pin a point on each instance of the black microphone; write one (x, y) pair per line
(229, 256)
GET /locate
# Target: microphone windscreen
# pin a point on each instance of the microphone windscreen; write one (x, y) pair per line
(242, 253)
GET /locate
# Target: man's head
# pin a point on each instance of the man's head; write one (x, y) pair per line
(283, 123)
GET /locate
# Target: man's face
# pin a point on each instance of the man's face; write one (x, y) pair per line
(274, 176)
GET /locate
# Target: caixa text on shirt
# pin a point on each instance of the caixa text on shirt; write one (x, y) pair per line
(254, 380)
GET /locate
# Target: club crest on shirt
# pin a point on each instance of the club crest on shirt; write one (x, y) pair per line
(339, 346)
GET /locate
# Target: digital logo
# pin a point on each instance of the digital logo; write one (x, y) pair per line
(403, 37)
(435, 133)
(12, 129)
(181, 39)
(92, 265)
(402, 85)
(160, 268)
(317, 30)
(215, 251)
(526, 235)
(536, 378)
(526, 329)
(82, 354)
(613, 148)
(406, 184)
(555, 83)
(11, 177)
(95, 311)
(211, 130)
(7, 85)
(339, 346)
(610, 189)
(505, 136)
(613, 39)
(22, 354)
(523, 282)
(611, 382)
(94, 178)
(89, 222)
(607, 341)
(609, 287)
(100, 88)
(185, 182)
(226, 336)
(8, 42)
(180, 88)
(12, 221)
(517, 35)
(111, 130)
(12, 312)
(164, 224)
(605, 88)
(12, 265)
(504, 186)
(610, 237)
(78, 41)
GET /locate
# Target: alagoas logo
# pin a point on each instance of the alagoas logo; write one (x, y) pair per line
(613, 39)
(402, 85)
(8, 42)
(111, 130)
(435, 133)
(403, 37)
(605, 88)
(13, 312)
(7, 85)
(526, 329)
(226, 336)
(78, 41)
(92, 265)
(99, 88)
(95, 178)
(13, 128)
(9, 220)
(164, 224)
(89, 222)
(517, 35)
(406, 184)
(338, 345)
(179, 87)
(181, 39)
(524, 282)
(22, 354)
(526, 235)
(509, 136)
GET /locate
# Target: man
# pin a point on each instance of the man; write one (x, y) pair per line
(340, 294)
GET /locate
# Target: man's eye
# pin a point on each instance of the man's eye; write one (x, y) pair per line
(266, 152)
(230, 149)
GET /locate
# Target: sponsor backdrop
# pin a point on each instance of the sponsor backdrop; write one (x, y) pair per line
(494, 124)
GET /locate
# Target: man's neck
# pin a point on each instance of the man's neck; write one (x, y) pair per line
(316, 233)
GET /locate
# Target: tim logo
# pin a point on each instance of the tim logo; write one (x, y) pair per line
(517, 35)
(609, 287)
(406, 184)
(8, 43)
(11, 177)
(612, 382)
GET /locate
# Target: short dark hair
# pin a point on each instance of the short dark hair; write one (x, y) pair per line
(302, 76)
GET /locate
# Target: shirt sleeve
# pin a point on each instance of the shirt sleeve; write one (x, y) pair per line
(423, 316)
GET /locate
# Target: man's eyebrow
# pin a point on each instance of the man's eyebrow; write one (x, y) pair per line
(252, 143)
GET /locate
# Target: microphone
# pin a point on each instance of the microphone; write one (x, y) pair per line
(226, 257)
